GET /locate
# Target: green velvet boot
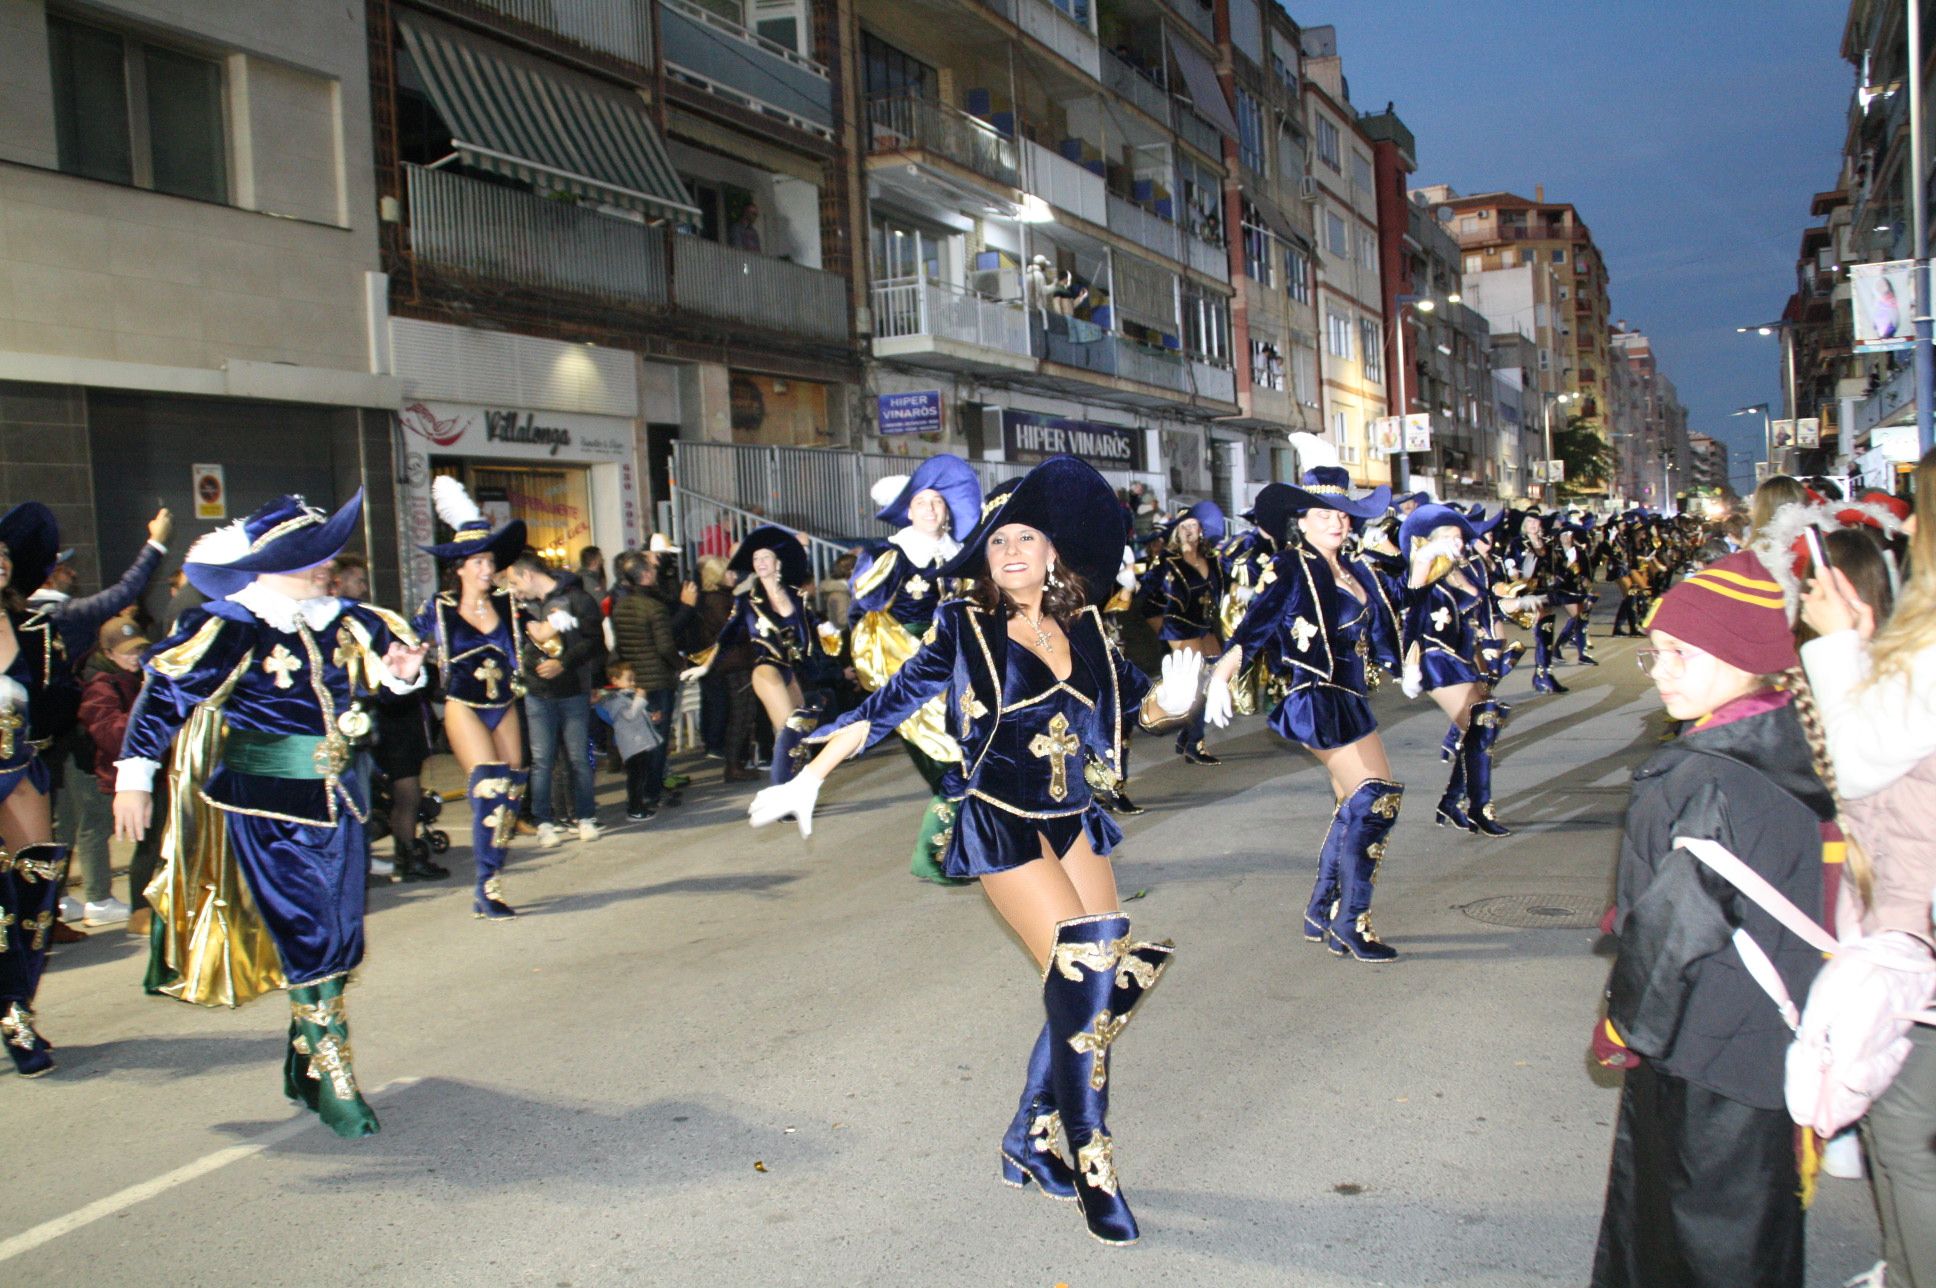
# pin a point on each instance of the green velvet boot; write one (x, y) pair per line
(299, 1086)
(323, 1037)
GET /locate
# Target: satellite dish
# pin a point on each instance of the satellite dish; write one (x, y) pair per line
(1445, 214)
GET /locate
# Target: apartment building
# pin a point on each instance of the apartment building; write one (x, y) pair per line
(1653, 460)
(1709, 464)
(188, 242)
(608, 228)
(1048, 251)
(1349, 291)
(1499, 231)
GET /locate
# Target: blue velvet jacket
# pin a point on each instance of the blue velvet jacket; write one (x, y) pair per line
(41, 667)
(886, 579)
(1438, 618)
(267, 681)
(1188, 604)
(776, 640)
(1292, 624)
(966, 657)
(478, 670)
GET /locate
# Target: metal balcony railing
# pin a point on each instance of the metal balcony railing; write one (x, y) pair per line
(1139, 89)
(1209, 259)
(920, 124)
(1110, 354)
(1061, 31)
(740, 286)
(1064, 184)
(926, 308)
(621, 28)
(724, 58)
(1145, 229)
(1213, 381)
(510, 236)
(1194, 129)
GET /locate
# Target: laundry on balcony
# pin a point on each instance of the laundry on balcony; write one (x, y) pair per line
(542, 123)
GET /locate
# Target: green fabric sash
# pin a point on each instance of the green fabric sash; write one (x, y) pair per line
(282, 755)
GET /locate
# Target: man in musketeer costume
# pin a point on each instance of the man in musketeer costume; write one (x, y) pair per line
(897, 588)
(266, 686)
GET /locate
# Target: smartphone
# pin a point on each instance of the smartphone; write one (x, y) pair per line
(1817, 548)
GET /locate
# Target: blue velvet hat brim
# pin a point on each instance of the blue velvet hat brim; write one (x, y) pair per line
(1066, 500)
(506, 544)
(1369, 506)
(958, 485)
(1276, 506)
(1427, 519)
(795, 568)
(304, 548)
(32, 537)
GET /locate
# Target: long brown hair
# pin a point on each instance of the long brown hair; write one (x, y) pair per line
(1064, 598)
(1855, 859)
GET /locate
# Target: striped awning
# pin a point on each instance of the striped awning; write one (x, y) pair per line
(543, 123)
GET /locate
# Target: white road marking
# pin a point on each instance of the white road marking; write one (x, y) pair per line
(48, 1231)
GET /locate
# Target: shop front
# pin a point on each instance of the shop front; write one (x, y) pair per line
(572, 477)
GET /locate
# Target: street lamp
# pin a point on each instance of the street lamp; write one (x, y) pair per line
(1767, 429)
(1424, 304)
(1787, 328)
(1561, 399)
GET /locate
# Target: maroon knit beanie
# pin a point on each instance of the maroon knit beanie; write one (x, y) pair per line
(1733, 610)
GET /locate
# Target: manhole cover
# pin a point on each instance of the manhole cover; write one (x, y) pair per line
(1537, 911)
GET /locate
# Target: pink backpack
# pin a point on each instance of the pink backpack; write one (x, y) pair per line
(1853, 1035)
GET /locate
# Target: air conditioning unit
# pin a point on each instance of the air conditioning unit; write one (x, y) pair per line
(1307, 187)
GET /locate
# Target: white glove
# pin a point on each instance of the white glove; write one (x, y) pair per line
(1413, 682)
(771, 804)
(1176, 692)
(1216, 703)
(693, 673)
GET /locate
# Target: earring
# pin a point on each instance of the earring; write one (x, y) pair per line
(1052, 580)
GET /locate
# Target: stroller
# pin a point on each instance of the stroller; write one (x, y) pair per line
(428, 839)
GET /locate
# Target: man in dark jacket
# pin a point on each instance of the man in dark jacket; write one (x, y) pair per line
(564, 656)
(112, 683)
(645, 629)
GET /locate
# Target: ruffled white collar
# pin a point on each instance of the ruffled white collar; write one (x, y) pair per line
(924, 550)
(281, 611)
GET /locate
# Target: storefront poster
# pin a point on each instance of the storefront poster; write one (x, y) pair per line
(915, 413)
(1387, 435)
(1031, 436)
(1418, 431)
(211, 492)
(1808, 432)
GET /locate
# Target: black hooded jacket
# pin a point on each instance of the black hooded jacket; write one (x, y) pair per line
(1680, 995)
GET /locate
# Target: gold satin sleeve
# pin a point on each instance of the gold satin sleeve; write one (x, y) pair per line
(880, 646)
(212, 937)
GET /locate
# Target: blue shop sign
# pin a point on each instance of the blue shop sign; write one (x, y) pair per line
(916, 413)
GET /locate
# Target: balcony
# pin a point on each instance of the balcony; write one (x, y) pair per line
(1197, 14)
(900, 125)
(1213, 381)
(616, 27)
(1108, 354)
(505, 235)
(739, 286)
(1064, 184)
(1144, 228)
(1126, 81)
(1060, 31)
(1208, 258)
(938, 326)
(725, 59)
(1196, 131)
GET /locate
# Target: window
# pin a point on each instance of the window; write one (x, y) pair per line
(1367, 249)
(1335, 238)
(1328, 150)
(1374, 347)
(1285, 73)
(1206, 326)
(1258, 262)
(1297, 274)
(1339, 428)
(1266, 365)
(1473, 263)
(1361, 171)
(1304, 369)
(1337, 335)
(1559, 257)
(1202, 201)
(890, 73)
(1250, 132)
(136, 113)
(1508, 257)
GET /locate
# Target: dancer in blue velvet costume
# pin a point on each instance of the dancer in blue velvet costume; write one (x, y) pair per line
(37, 685)
(285, 668)
(1444, 656)
(1530, 561)
(1040, 700)
(1572, 587)
(1182, 592)
(897, 586)
(475, 627)
(772, 611)
(1324, 624)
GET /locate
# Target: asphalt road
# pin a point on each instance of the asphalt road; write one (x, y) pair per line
(707, 1055)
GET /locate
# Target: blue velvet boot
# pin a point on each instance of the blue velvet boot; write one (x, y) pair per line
(1582, 653)
(1189, 741)
(1077, 991)
(30, 886)
(1486, 719)
(1449, 745)
(495, 790)
(790, 751)
(1033, 1148)
(1324, 891)
(1370, 812)
(1452, 805)
(1543, 681)
(322, 1040)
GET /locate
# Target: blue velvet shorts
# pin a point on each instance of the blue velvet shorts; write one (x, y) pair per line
(988, 838)
(1445, 671)
(491, 716)
(32, 770)
(1323, 716)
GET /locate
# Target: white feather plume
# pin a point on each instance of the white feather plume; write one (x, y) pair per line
(884, 491)
(1774, 541)
(223, 546)
(454, 504)
(1313, 451)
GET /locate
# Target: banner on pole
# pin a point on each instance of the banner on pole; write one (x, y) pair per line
(1808, 432)
(1881, 297)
